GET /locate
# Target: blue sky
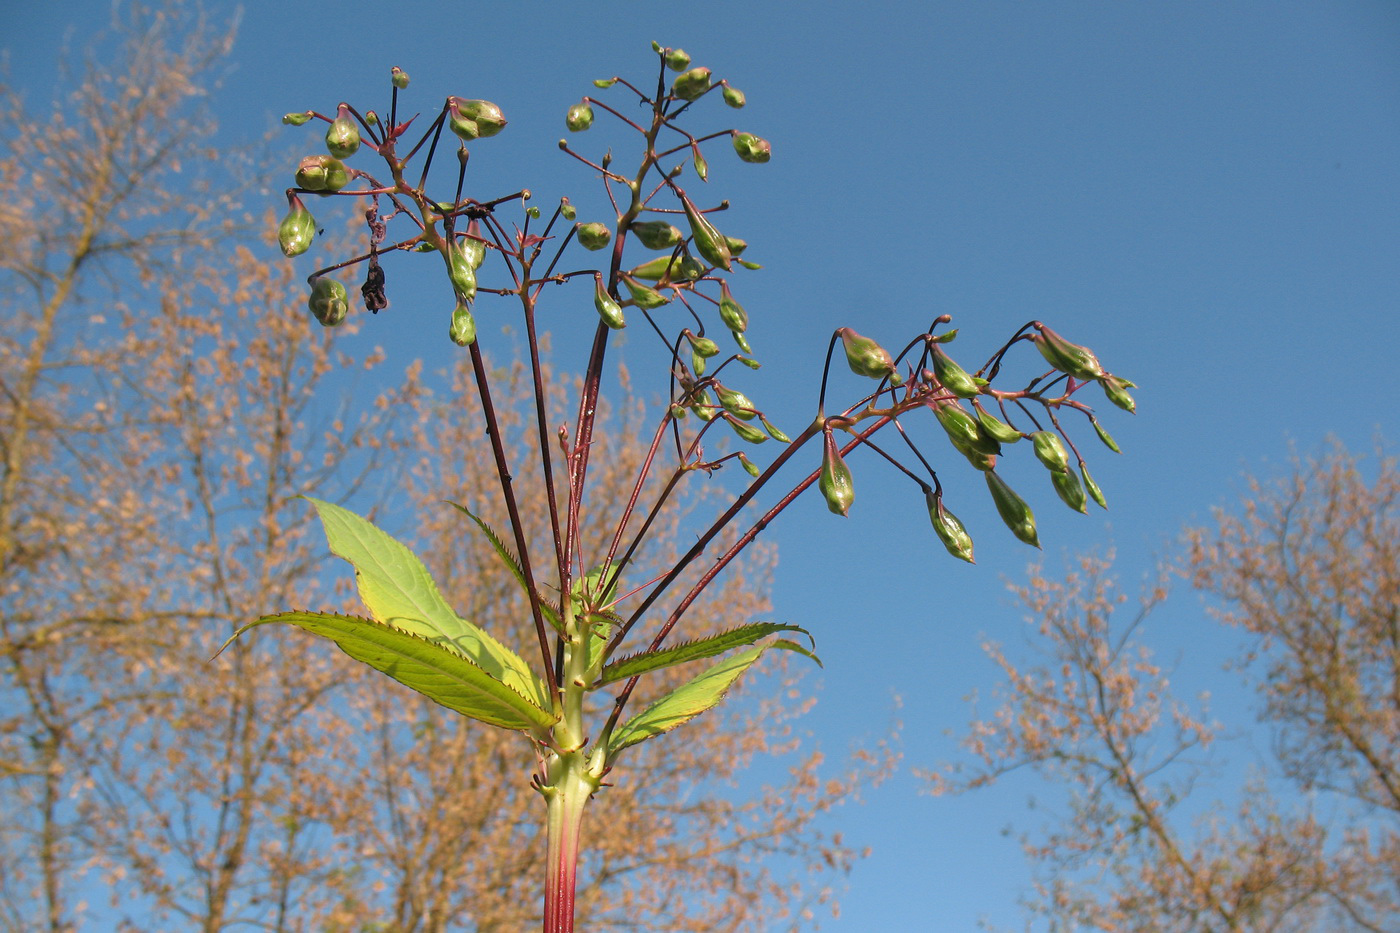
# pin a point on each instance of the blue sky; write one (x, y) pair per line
(1205, 193)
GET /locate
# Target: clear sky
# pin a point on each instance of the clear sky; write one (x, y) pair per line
(1205, 193)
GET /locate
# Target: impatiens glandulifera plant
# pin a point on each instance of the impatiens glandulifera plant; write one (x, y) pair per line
(667, 267)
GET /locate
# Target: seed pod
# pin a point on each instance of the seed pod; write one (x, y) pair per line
(752, 148)
(461, 271)
(866, 357)
(1049, 451)
(594, 236)
(731, 312)
(749, 362)
(463, 328)
(1068, 488)
(1080, 362)
(1095, 492)
(736, 245)
(676, 59)
(749, 466)
(735, 402)
(604, 83)
(954, 378)
(1013, 509)
(398, 77)
(608, 308)
(709, 242)
(297, 229)
(702, 168)
(656, 269)
(322, 173)
(579, 117)
(773, 431)
(690, 85)
(656, 234)
(697, 362)
(745, 431)
(474, 119)
(966, 435)
(703, 346)
(1104, 436)
(329, 302)
(643, 297)
(296, 119)
(703, 406)
(690, 268)
(835, 480)
(343, 137)
(950, 530)
(733, 97)
(742, 341)
(472, 244)
(994, 427)
(1117, 391)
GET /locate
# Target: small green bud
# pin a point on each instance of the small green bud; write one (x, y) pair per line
(835, 480)
(1104, 436)
(677, 412)
(608, 308)
(1079, 362)
(950, 530)
(735, 402)
(702, 168)
(343, 137)
(866, 357)
(1095, 492)
(594, 236)
(1049, 451)
(566, 210)
(461, 271)
(604, 83)
(690, 268)
(656, 234)
(749, 265)
(329, 302)
(691, 85)
(709, 242)
(398, 77)
(1068, 488)
(752, 148)
(533, 212)
(731, 312)
(1117, 391)
(371, 118)
(296, 119)
(579, 117)
(773, 431)
(733, 97)
(643, 297)
(322, 173)
(297, 229)
(953, 377)
(474, 119)
(676, 59)
(463, 328)
(994, 427)
(736, 245)
(1013, 509)
(749, 362)
(746, 431)
(749, 466)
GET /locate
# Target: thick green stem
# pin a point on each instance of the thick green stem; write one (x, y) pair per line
(567, 795)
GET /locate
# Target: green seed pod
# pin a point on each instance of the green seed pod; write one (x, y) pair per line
(676, 59)
(461, 271)
(692, 84)
(702, 168)
(1049, 451)
(1079, 362)
(594, 236)
(472, 244)
(994, 427)
(296, 119)
(1095, 492)
(950, 530)
(742, 341)
(656, 234)
(1068, 488)
(749, 362)
(703, 346)
(1104, 436)
(704, 406)
(866, 357)
(322, 173)
(474, 119)
(749, 466)
(736, 245)
(953, 377)
(329, 302)
(566, 210)
(604, 83)
(709, 242)
(731, 312)
(608, 308)
(773, 431)
(1117, 391)
(752, 148)
(297, 229)
(745, 431)
(579, 117)
(733, 97)
(1013, 509)
(690, 268)
(343, 137)
(966, 435)
(749, 265)
(398, 77)
(463, 328)
(735, 402)
(643, 297)
(835, 481)
(697, 362)
(656, 269)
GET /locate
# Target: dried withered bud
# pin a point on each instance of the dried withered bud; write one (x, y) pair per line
(608, 308)
(579, 116)
(690, 85)
(1049, 451)
(297, 229)
(322, 174)
(752, 148)
(1116, 388)
(709, 242)
(1080, 362)
(474, 119)
(656, 234)
(676, 59)
(953, 377)
(1013, 509)
(372, 291)
(462, 331)
(835, 480)
(950, 530)
(868, 358)
(343, 136)
(398, 77)
(594, 236)
(733, 97)
(329, 302)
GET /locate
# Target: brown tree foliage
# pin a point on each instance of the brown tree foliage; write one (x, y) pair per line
(160, 401)
(1310, 571)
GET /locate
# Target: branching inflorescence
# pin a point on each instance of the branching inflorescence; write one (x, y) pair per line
(683, 294)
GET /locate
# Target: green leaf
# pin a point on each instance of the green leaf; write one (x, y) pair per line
(691, 699)
(512, 563)
(430, 667)
(648, 661)
(397, 589)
